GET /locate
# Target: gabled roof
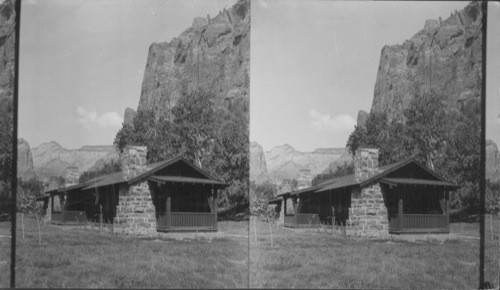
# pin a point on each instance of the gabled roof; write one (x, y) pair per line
(350, 180)
(387, 169)
(164, 178)
(118, 178)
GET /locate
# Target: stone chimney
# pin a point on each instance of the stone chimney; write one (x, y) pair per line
(367, 214)
(133, 161)
(365, 164)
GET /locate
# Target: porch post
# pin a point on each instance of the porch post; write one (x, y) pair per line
(214, 202)
(284, 205)
(447, 208)
(52, 204)
(400, 209)
(168, 208)
(295, 214)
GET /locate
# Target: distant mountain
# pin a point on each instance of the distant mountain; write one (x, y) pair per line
(52, 160)
(492, 161)
(25, 169)
(285, 162)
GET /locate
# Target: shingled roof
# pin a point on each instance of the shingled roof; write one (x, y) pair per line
(350, 180)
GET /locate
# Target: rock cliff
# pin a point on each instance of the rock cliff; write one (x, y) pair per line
(52, 160)
(258, 166)
(25, 169)
(7, 54)
(212, 55)
(492, 162)
(444, 57)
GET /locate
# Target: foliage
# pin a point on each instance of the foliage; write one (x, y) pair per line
(6, 143)
(27, 192)
(109, 167)
(446, 140)
(260, 195)
(204, 132)
(342, 170)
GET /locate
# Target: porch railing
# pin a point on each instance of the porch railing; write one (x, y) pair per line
(186, 220)
(419, 223)
(302, 219)
(69, 217)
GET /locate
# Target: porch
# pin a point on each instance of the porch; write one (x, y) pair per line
(419, 223)
(302, 220)
(73, 218)
(186, 221)
(417, 207)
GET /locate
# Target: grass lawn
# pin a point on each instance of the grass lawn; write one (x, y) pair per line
(72, 257)
(5, 246)
(315, 259)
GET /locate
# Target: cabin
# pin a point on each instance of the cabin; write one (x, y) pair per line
(400, 198)
(168, 196)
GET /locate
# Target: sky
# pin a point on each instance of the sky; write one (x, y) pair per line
(493, 73)
(82, 63)
(314, 64)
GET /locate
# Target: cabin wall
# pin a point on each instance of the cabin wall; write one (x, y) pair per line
(135, 214)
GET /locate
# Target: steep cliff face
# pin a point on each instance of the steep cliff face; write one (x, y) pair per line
(25, 169)
(285, 162)
(51, 159)
(258, 166)
(7, 54)
(212, 55)
(492, 161)
(444, 57)
(361, 119)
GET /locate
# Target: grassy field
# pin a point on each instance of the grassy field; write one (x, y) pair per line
(5, 246)
(72, 257)
(316, 259)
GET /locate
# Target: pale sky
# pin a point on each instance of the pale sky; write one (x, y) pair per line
(82, 62)
(314, 64)
(493, 73)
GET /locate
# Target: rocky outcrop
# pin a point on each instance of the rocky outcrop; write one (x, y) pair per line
(51, 159)
(444, 58)
(492, 162)
(129, 116)
(212, 55)
(25, 169)
(285, 162)
(7, 55)
(362, 117)
(258, 166)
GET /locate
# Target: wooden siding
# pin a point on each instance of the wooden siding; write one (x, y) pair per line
(419, 223)
(69, 218)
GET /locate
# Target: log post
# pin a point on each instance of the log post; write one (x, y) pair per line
(400, 211)
(168, 210)
(214, 203)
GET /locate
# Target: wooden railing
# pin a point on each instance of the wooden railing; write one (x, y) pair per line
(302, 219)
(69, 217)
(419, 223)
(307, 219)
(187, 220)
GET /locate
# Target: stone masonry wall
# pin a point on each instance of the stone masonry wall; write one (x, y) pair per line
(368, 214)
(133, 161)
(135, 214)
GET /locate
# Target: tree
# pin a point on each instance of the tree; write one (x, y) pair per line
(342, 170)
(109, 167)
(427, 125)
